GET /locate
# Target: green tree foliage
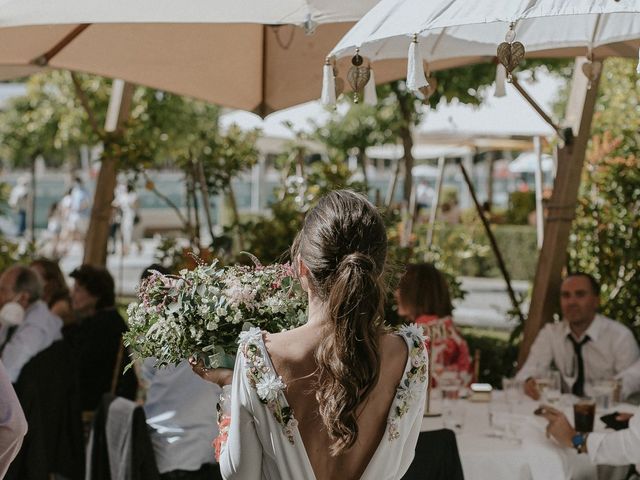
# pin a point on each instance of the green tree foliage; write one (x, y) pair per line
(49, 120)
(606, 233)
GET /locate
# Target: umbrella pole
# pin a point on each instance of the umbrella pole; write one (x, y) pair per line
(535, 106)
(539, 211)
(562, 209)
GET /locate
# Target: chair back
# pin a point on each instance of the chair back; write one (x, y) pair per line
(436, 457)
(50, 397)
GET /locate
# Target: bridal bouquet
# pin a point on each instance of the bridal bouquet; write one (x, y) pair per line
(201, 312)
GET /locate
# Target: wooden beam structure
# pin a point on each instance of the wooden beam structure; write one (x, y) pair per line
(562, 207)
(95, 247)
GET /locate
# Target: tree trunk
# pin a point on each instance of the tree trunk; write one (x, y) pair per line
(97, 239)
(406, 105)
(363, 161)
(204, 191)
(95, 246)
(236, 215)
(407, 143)
(196, 207)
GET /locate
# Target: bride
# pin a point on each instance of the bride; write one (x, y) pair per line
(340, 397)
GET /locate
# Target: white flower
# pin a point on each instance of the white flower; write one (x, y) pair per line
(414, 331)
(269, 387)
(251, 336)
(409, 392)
(173, 307)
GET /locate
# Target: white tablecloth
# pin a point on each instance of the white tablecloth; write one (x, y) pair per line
(485, 456)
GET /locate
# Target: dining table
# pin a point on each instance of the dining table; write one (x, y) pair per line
(503, 439)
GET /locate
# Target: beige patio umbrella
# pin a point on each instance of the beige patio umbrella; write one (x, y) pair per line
(252, 55)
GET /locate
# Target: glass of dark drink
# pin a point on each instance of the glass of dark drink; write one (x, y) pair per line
(584, 412)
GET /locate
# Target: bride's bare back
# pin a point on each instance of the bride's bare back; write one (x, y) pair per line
(292, 354)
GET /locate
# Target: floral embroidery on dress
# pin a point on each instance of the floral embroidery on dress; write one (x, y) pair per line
(414, 382)
(269, 387)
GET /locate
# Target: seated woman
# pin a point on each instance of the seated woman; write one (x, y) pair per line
(98, 338)
(423, 297)
(56, 292)
(340, 397)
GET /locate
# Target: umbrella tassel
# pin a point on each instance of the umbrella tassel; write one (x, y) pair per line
(328, 96)
(415, 70)
(501, 77)
(370, 94)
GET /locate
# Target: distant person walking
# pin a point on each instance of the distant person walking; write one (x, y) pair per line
(129, 205)
(19, 201)
(80, 209)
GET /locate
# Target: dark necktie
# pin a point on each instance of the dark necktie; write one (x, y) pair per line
(578, 386)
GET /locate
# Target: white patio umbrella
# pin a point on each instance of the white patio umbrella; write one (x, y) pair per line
(447, 33)
(527, 162)
(247, 54)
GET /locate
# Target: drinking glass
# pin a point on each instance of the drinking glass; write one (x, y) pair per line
(584, 413)
(454, 416)
(552, 391)
(603, 393)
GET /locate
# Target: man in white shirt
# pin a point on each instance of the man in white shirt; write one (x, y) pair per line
(31, 327)
(181, 411)
(621, 447)
(595, 346)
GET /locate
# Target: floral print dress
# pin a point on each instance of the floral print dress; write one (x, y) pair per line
(449, 351)
(263, 440)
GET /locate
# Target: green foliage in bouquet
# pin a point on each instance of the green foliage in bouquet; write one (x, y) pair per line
(201, 312)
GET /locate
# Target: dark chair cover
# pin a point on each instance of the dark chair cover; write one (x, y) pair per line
(50, 397)
(436, 458)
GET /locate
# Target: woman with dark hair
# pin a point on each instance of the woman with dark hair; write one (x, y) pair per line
(423, 297)
(98, 338)
(56, 292)
(340, 397)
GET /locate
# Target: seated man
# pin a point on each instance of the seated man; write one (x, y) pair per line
(28, 327)
(603, 348)
(181, 411)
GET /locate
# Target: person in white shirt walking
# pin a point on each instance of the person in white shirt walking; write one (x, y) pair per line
(585, 347)
(28, 326)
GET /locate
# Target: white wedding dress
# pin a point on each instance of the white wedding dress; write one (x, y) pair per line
(264, 442)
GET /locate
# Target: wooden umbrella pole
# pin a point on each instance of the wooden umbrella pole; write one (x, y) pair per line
(435, 204)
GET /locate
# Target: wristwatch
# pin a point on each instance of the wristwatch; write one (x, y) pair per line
(579, 441)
